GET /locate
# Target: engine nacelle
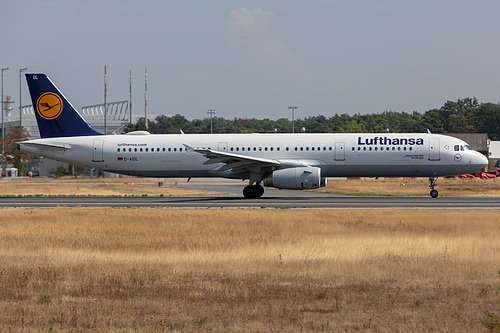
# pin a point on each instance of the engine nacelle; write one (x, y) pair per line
(296, 178)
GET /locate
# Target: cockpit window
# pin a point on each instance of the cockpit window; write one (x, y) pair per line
(462, 147)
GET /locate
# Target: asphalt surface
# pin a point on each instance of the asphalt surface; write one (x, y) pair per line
(272, 198)
(312, 201)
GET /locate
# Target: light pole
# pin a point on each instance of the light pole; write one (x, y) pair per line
(211, 112)
(3, 128)
(20, 100)
(293, 108)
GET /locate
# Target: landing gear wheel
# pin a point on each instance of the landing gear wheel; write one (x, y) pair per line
(250, 192)
(260, 190)
(253, 192)
(434, 193)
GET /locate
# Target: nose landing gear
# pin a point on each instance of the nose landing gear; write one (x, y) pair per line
(434, 193)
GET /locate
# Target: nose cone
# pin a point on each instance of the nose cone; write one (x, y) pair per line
(481, 161)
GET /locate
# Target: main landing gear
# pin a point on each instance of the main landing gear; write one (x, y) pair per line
(434, 193)
(253, 191)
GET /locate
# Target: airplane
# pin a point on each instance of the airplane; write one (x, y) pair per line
(284, 161)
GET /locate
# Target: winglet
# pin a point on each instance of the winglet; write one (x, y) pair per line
(55, 115)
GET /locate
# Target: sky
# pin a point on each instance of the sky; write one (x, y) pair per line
(255, 58)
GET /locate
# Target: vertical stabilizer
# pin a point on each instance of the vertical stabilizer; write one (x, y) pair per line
(55, 115)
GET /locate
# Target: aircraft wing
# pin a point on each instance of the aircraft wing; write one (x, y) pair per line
(237, 163)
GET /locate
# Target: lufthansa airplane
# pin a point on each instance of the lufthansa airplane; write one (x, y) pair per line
(284, 161)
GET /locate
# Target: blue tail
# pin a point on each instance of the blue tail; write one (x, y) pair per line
(55, 115)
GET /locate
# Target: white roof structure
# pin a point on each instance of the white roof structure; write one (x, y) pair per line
(494, 150)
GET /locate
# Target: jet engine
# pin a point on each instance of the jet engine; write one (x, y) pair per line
(296, 178)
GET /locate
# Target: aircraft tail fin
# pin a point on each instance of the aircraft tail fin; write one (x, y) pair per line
(55, 115)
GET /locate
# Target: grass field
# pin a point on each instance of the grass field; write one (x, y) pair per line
(128, 186)
(154, 270)
(412, 187)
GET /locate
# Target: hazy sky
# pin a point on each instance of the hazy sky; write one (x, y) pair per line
(254, 58)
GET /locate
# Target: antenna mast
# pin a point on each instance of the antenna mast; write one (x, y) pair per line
(105, 101)
(146, 97)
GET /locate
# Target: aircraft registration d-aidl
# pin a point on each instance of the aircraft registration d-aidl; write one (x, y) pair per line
(284, 161)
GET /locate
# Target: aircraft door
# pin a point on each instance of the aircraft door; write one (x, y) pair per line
(97, 151)
(222, 146)
(339, 151)
(434, 149)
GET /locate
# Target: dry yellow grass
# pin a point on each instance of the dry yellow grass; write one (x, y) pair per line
(413, 186)
(103, 187)
(153, 270)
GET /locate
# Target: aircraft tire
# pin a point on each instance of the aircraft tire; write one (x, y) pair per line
(250, 192)
(260, 190)
(434, 193)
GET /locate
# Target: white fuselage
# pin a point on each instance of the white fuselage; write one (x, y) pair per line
(338, 155)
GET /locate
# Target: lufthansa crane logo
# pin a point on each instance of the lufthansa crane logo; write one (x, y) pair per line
(49, 106)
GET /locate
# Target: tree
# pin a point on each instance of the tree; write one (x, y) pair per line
(12, 154)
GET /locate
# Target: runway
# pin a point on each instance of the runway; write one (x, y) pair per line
(312, 201)
(233, 198)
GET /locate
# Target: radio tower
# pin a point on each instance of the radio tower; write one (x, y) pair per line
(146, 98)
(130, 102)
(105, 102)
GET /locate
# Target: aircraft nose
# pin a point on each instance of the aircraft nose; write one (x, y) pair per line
(481, 160)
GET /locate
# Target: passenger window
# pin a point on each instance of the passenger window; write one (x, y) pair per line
(330, 148)
(140, 149)
(180, 149)
(164, 149)
(242, 148)
(175, 149)
(135, 149)
(129, 150)
(364, 148)
(169, 149)
(118, 150)
(307, 148)
(301, 148)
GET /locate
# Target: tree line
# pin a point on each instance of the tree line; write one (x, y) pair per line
(463, 116)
